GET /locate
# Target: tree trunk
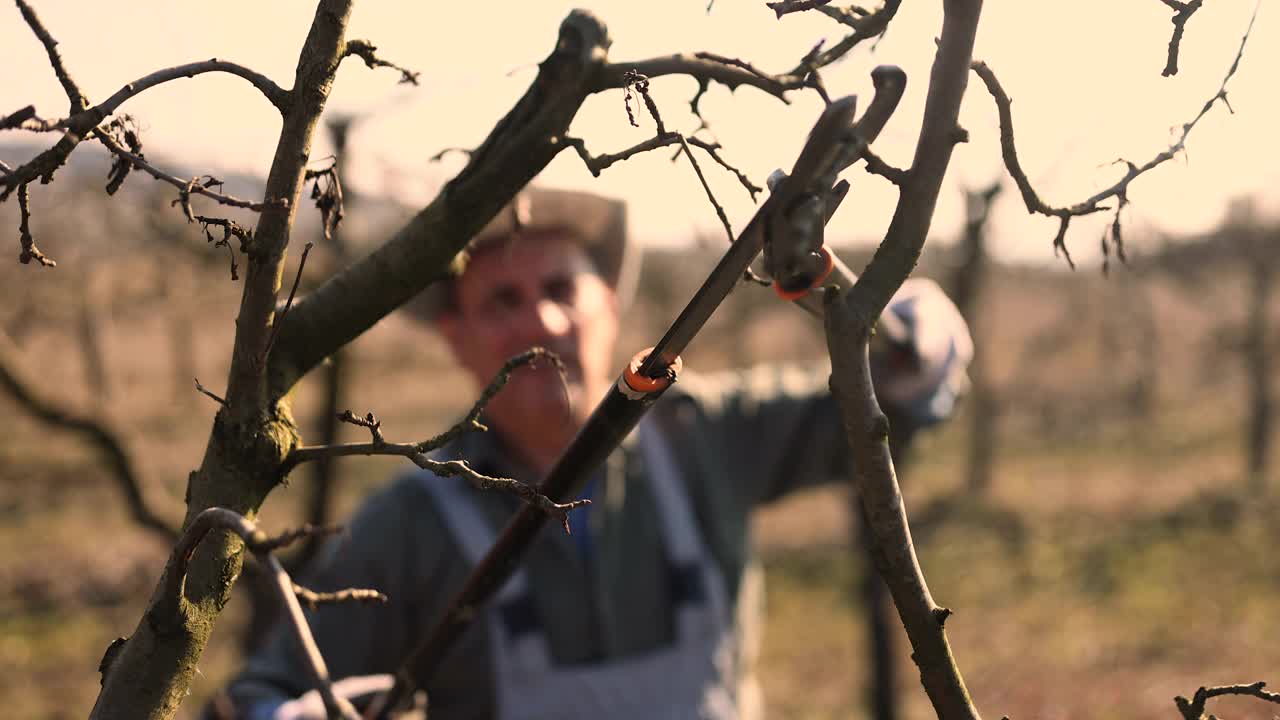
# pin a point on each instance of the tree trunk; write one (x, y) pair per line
(967, 283)
(149, 674)
(1258, 369)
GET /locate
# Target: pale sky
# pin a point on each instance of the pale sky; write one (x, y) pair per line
(1084, 76)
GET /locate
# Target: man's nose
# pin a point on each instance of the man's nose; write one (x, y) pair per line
(552, 318)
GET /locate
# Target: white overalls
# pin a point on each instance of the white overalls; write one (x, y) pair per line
(693, 677)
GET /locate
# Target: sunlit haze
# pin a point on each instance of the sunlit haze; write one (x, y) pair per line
(1085, 78)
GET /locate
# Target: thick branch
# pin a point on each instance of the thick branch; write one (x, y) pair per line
(247, 391)
(517, 149)
(82, 122)
(702, 67)
(278, 96)
(251, 435)
(98, 432)
(170, 607)
(849, 320)
(897, 255)
(599, 163)
(1119, 189)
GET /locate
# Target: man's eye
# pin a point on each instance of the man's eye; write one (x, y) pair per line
(560, 289)
(504, 298)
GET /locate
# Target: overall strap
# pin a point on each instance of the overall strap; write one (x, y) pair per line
(470, 528)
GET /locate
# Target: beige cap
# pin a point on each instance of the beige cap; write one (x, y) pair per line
(597, 222)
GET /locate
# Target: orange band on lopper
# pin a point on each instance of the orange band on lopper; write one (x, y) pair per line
(641, 384)
(828, 265)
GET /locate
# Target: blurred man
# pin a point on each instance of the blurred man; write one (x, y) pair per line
(650, 607)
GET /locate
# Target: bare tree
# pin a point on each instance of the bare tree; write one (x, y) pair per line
(1243, 244)
(1256, 247)
(254, 441)
(967, 282)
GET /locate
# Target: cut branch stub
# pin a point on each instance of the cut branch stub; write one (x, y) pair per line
(29, 250)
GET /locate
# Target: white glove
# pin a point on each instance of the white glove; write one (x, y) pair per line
(310, 707)
(939, 339)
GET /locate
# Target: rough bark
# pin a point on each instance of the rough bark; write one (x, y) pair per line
(882, 693)
(148, 676)
(517, 149)
(850, 317)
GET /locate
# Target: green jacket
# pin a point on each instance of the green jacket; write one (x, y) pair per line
(742, 439)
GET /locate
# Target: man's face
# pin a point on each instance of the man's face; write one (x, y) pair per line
(541, 289)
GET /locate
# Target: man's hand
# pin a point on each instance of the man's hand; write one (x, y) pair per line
(921, 369)
(356, 690)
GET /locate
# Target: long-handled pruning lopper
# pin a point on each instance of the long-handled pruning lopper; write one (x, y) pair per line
(788, 227)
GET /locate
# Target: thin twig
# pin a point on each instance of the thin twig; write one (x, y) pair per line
(417, 452)
(84, 119)
(78, 101)
(720, 213)
(865, 27)
(734, 62)
(1120, 188)
(471, 421)
(445, 468)
(369, 422)
(230, 229)
(289, 537)
(297, 278)
(312, 599)
(184, 186)
(1182, 12)
(209, 393)
(713, 149)
(596, 164)
(783, 7)
(877, 166)
(1194, 709)
(365, 51)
